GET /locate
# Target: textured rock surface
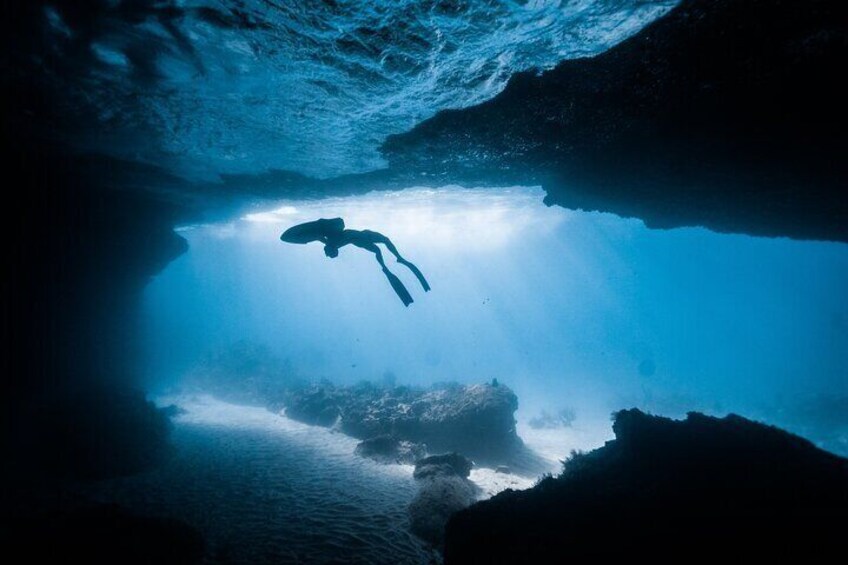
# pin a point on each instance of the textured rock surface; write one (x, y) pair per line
(724, 113)
(446, 465)
(388, 449)
(728, 489)
(474, 419)
(445, 489)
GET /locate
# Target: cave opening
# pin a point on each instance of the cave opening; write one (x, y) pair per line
(632, 216)
(586, 307)
(579, 314)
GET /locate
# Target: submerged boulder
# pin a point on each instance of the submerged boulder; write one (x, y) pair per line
(474, 419)
(445, 489)
(447, 465)
(389, 449)
(726, 489)
(318, 406)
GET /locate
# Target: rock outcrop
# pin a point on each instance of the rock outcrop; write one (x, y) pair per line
(446, 465)
(445, 489)
(477, 420)
(389, 449)
(315, 405)
(725, 489)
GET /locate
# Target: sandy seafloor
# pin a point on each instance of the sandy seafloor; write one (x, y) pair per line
(263, 488)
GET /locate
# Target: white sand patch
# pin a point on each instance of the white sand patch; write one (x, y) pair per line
(556, 444)
(491, 482)
(206, 410)
(552, 444)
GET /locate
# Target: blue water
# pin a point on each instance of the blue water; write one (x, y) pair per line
(581, 311)
(571, 309)
(584, 311)
(204, 87)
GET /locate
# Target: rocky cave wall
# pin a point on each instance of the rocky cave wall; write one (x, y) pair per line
(79, 251)
(728, 114)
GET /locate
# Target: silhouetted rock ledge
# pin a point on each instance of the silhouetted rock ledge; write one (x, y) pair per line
(721, 489)
(728, 114)
(476, 420)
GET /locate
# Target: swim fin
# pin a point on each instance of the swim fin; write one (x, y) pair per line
(401, 291)
(417, 274)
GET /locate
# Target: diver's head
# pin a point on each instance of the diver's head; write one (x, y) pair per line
(331, 251)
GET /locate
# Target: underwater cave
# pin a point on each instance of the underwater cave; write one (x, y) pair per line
(425, 281)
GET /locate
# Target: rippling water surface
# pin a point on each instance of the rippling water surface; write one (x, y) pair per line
(313, 85)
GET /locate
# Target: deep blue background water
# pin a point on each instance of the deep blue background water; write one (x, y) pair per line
(575, 309)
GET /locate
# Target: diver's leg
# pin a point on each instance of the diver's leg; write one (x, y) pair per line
(401, 291)
(391, 247)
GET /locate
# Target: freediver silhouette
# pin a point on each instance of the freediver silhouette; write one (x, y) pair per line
(332, 233)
